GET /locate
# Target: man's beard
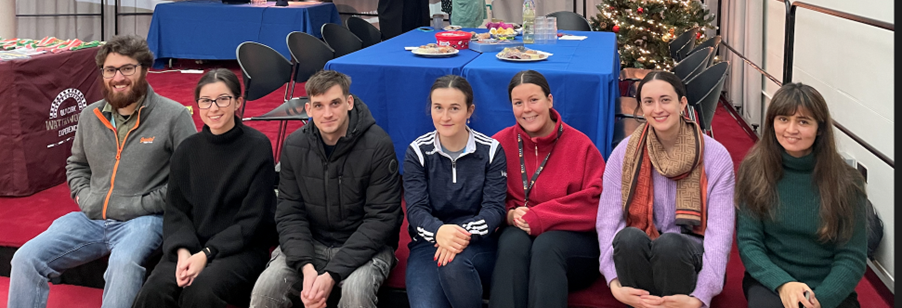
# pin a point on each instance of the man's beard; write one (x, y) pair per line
(122, 100)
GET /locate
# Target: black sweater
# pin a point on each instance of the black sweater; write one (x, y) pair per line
(221, 193)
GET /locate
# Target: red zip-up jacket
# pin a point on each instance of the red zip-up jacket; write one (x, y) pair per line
(566, 194)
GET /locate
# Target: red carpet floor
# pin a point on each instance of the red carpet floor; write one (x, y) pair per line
(24, 218)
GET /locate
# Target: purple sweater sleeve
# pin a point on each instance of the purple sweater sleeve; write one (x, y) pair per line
(610, 213)
(721, 219)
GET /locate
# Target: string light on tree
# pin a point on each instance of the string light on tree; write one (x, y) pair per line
(652, 24)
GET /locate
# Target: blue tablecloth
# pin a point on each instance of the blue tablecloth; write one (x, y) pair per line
(394, 83)
(582, 76)
(211, 30)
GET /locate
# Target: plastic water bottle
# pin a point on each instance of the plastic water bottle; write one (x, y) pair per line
(529, 19)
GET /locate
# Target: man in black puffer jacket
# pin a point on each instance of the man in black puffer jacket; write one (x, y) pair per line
(339, 204)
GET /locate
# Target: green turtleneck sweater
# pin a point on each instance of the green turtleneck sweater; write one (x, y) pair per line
(786, 248)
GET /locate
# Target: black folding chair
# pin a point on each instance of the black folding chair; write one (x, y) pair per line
(694, 64)
(682, 44)
(340, 39)
(703, 93)
(713, 42)
(567, 20)
(364, 30)
(308, 55)
(266, 70)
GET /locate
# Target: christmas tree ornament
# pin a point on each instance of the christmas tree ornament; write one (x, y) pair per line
(649, 26)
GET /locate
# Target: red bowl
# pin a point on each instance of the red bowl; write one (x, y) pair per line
(456, 39)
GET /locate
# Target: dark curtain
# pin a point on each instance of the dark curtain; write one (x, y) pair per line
(399, 16)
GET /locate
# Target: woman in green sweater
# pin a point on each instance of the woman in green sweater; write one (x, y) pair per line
(801, 219)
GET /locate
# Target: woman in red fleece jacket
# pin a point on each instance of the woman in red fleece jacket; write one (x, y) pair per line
(554, 172)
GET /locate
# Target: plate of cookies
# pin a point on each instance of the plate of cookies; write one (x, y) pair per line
(434, 50)
(522, 54)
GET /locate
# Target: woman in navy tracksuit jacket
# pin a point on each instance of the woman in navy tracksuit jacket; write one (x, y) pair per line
(454, 186)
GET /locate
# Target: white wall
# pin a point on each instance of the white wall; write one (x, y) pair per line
(851, 64)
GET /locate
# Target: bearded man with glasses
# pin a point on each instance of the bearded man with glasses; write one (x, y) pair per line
(117, 174)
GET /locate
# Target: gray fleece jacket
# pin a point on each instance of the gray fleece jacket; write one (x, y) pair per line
(121, 182)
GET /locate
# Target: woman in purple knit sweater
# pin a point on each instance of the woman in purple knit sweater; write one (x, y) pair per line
(665, 219)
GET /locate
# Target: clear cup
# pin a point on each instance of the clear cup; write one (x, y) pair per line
(541, 30)
(551, 26)
(438, 21)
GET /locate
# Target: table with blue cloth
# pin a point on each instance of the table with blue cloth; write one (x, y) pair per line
(395, 84)
(583, 79)
(211, 30)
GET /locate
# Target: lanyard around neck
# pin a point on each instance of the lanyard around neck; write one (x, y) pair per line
(527, 186)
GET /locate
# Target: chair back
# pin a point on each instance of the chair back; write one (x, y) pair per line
(364, 30)
(693, 64)
(713, 42)
(703, 92)
(567, 20)
(340, 39)
(264, 70)
(308, 54)
(682, 44)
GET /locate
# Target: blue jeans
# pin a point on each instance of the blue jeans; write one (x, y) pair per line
(73, 240)
(458, 284)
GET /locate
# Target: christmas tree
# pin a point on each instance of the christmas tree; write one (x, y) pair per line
(645, 28)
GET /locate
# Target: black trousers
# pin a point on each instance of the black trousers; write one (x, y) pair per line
(665, 266)
(760, 296)
(399, 16)
(540, 271)
(223, 281)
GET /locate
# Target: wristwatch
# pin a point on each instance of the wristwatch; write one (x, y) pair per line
(209, 253)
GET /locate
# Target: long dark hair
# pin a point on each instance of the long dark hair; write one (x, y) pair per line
(219, 75)
(838, 184)
(528, 76)
(453, 82)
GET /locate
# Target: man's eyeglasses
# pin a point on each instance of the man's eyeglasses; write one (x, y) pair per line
(221, 102)
(127, 70)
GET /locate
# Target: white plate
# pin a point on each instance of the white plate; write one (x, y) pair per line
(498, 55)
(429, 54)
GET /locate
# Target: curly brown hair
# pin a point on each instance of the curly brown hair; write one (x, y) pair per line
(131, 46)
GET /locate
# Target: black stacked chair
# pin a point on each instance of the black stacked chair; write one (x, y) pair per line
(266, 70)
(567, 20)
(703, 93)
(682, 44)
(340, 39)
(364, 30)
(694, 64)
(713, 42)
(686, 69)
(308, 55)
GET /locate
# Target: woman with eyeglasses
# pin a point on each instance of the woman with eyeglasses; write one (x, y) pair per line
(218, 223)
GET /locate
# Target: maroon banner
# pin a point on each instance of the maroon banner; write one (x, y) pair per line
(41, 99)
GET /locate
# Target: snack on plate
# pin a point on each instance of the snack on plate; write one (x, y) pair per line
(520, 52)
(480, 36)
(434, 48)
(503, 33)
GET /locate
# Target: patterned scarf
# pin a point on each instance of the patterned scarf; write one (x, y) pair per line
(683, 165)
